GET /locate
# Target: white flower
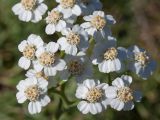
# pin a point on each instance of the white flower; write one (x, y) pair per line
(30, 10)
(28, 48)
(76, 40)
(55, 22)
(89, 6)
(78, 66)
(97, 25)
(140, 62)
(92, 94)
(69, 8)
(35, 90)
(121, 95)
(47, 59)
(40, 74)
(108, 57)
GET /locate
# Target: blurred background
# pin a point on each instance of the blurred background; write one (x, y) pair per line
(138, 22)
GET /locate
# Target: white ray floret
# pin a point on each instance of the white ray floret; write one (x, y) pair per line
(76, 39)
(140, 62)
(28, 48)
(55, 22)
(30, 10)
(78, 66)
(31, 73)
(98, 25)
(121, 96)
(108, 57)
(34, 90)
(47, 59)
(92, 94)
(69, 8)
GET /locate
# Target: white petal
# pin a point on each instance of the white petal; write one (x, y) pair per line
(30, 73)
(42, 83)
(89, 83)
(35, 40)
(34, 107)
(91, 31)
(71, 49)
(103, 67)
(98, 107)
(116, 104)
(60, 65)
(111, 92)
(40, 51)
(63, 43)
(40, 1)
(37, 66)
(106, 102)
(134, 49)
(60, 26)
(93, 109)
(127, 79)
(81, 92)
(21, 85)
(58, 1)
(50, 29)
(128, 106)
(52, 47)
(88, 18)
(17, 8)
(100, 13)
(24, 63)
(36, 17)
(66, 31)
(67, 13)
(110, 19)
(21, 97)
(86, 25)
(42, 8)
(110, 66)
(30, 81)
(45, 100)
(22, 45)
(76, 10)
(25, 16)
(83, 107)
(118, 82)
(49, 71)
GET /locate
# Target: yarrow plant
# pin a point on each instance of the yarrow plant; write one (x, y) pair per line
(84, 47)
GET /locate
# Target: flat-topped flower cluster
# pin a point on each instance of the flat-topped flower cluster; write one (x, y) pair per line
(80, 47)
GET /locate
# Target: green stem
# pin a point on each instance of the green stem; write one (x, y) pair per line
(109, 78)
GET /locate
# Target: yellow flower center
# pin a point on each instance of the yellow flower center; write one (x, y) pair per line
(54, 17)
(41, 75)
(47, 59)
(32, 93)
(29, 51)
(67, 3)
(73, 38)
(28, 4)
(142, 58)
(110, 54)
(75, 67)
(98, 22)
(125, 94)
(94, 95)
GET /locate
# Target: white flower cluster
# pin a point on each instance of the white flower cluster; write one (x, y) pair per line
(75, 53)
